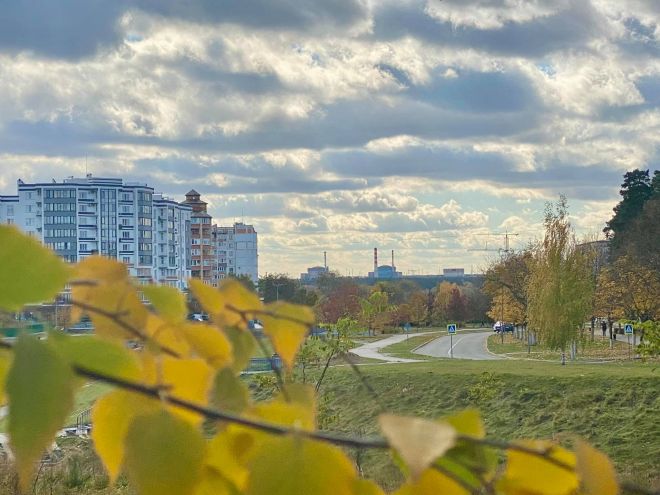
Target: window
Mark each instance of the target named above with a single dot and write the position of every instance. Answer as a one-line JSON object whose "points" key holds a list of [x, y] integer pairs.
{"points": [[126, 259], [28, 208], [125, 235], [28, 222], [83, 246], [10, 211], [125, 247]]}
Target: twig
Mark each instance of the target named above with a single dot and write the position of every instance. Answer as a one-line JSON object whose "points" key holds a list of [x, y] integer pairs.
{"points": [[116, 317], [465, 485]]}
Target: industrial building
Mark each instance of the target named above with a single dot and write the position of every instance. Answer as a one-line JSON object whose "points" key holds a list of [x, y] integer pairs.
{"points": [[386, 272]]}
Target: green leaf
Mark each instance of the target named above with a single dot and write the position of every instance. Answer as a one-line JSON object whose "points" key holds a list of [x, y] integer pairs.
{"points": [[30, 273], [295, 466], [243, 344], [418, 441], [97, 355], [229, 392], [164, 455], [168, 301], [40, 390]]}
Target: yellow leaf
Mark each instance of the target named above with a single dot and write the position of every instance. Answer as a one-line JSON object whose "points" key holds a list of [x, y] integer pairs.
{"points": [[112, 415], [30, 273], [243, 345], [296, 466], [287, 326], [40, 390], [229, 392], [431, 482], [226, 455], [299, 411], [232, 304], [97, 355], [467, 422], [529, 474], [169, 302], [165, 336], [5, 366], [595, 470], [164, 455], [418, 441], [190, 380], [209, 343], [213, 483], [118, 312], [366, 487]]}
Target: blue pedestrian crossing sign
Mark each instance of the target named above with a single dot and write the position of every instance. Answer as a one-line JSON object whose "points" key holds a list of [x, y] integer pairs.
{"points": [[628, 329], [451, 328]]}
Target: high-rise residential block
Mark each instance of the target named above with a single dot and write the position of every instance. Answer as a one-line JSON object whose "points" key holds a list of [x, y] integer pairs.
{"points": [[236, 249], [79, 217]]}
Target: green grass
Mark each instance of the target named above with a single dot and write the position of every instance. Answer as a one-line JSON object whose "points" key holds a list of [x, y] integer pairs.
{"points": [[587, 350], [616, 406], [403, 349]]}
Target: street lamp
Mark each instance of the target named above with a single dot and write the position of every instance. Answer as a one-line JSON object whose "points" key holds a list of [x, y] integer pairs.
{"points": [[277, 291]]}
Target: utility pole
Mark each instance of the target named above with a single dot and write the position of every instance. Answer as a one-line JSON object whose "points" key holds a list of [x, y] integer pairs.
{"points": [[277, 291]]}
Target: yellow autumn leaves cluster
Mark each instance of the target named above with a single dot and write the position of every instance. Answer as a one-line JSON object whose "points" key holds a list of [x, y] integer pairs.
{"points": [[170, 375]]}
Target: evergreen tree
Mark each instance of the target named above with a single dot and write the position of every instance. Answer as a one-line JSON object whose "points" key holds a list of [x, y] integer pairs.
{"points": [[635, 191]]}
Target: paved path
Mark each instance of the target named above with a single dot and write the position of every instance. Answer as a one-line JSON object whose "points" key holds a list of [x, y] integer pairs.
{"points": [[371, 349], [466, 346]]}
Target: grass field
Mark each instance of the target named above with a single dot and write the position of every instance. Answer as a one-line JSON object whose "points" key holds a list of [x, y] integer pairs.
{"points": [[616, 406], [599, 349]]}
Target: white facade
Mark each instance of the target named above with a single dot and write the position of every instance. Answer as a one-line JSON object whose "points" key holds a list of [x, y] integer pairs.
{"points": [[80, 217], [236, 251], [171, 242]]}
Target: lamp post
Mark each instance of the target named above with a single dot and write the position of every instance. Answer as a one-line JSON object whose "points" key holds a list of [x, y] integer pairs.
{"points": [[277, 291]]}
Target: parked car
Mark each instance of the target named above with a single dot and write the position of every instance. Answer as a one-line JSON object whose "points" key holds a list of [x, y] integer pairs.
{"points": [[497, 327]]}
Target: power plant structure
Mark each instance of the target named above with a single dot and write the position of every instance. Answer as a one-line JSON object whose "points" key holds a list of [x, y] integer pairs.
{"points": [[384, 272]]}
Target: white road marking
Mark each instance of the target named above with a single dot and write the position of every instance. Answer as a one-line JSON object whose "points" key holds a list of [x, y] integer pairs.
{"points": [[452, 347]]}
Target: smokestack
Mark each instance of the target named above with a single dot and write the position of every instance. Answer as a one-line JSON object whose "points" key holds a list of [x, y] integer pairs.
{"points": [[392, 259], [325, 260], [375, 262]]}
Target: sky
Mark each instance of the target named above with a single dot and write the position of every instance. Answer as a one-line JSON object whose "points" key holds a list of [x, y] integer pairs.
{"points": [[342, 125]]}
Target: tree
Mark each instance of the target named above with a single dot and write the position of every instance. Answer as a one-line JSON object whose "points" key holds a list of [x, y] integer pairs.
{"points": [[506, 280], [441, 301], [246, 280], [456, 307], [560, 286], [342, 300], [635, 191], [279, 287], [375, 311], [642, 238], [177, 418]]}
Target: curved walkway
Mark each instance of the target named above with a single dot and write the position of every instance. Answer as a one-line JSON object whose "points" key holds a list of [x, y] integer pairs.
{"points": [[371, 349]]}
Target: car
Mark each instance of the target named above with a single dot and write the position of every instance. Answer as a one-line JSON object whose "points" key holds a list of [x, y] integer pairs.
{"points": [[508, 327]]}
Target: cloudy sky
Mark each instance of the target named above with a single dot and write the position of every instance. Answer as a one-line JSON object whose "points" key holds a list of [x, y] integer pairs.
{"points": [[341, 125]]}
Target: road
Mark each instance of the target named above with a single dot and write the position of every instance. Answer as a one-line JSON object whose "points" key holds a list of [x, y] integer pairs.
{"points": [[371, 349], [465, 346]]}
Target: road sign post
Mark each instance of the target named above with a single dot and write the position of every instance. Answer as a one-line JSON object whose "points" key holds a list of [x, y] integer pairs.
{"points": [[451, 330], [628, 330]]}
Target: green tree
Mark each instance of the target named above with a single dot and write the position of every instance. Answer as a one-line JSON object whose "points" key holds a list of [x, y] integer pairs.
{"points": [[635, 191], [561, 283], [375, 311], [279, 287]]}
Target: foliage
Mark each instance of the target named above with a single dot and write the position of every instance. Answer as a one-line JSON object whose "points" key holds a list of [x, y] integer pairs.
{"points": [[339, 299], [635, 191], [274, 287], [628, 289], [506, 282], [560, 285], [376, 311], [154, 425], [650, 330]]}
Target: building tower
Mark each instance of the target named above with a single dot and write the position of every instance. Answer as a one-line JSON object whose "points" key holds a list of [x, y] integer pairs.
{"points": [[203, 263]]}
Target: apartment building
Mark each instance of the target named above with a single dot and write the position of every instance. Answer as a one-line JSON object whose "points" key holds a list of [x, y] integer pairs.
{"points": [[203, 261], [236, 249], [79, 217]]}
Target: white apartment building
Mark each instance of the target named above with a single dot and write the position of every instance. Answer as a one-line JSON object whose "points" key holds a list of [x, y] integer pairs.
{"points": [[236, 251], [79, 217]]}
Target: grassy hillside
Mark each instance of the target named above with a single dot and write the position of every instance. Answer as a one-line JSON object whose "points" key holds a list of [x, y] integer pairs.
{"points": [[615, 406]]}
